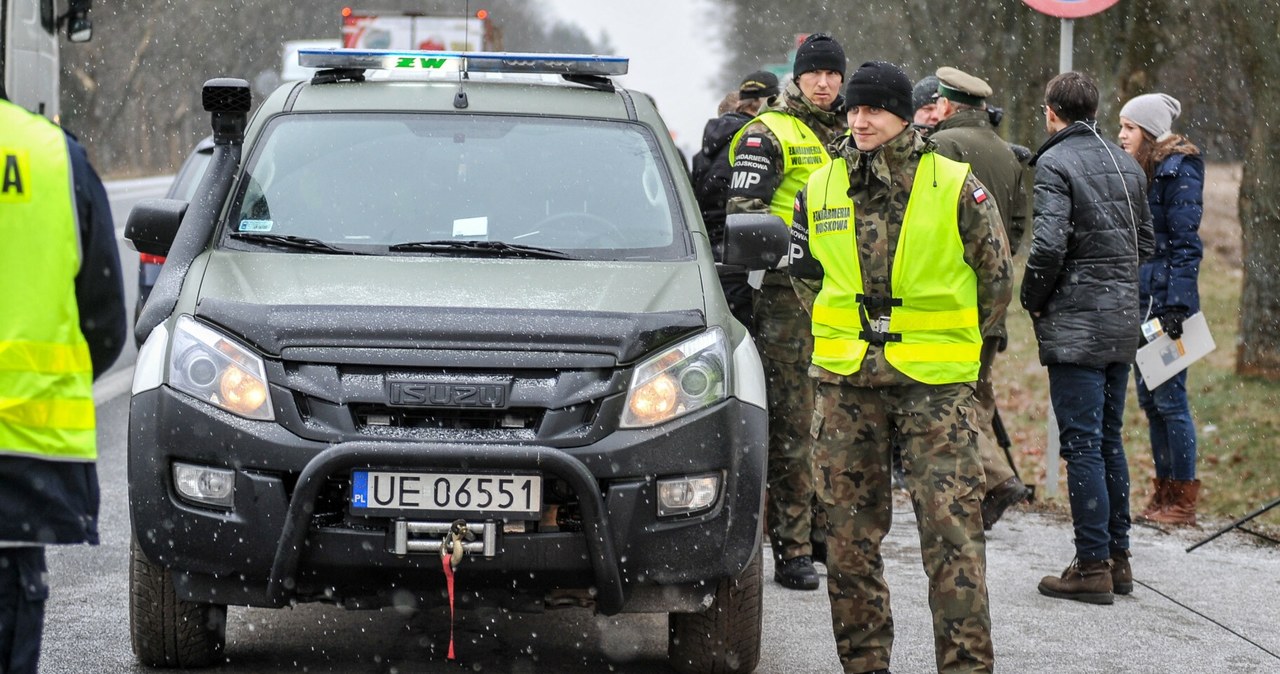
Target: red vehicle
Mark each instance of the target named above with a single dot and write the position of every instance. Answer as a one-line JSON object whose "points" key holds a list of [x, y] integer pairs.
{"points": [[416, 30]]}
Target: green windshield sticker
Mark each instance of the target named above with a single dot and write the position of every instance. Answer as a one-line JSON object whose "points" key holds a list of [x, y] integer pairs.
{"points": [[255, 225]]}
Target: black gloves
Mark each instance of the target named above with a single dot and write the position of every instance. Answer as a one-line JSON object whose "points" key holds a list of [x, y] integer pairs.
{"points": [[1171, 321], [995, 115]]}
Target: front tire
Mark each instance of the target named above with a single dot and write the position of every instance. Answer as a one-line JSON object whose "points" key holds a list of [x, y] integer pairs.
{"points": [[166, 631], [725, 638]]}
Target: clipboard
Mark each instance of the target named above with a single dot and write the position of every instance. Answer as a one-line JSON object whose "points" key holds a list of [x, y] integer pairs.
{"points": [[1163, 357]]}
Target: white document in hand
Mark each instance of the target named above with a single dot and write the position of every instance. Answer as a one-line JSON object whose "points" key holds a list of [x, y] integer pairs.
{"points": [[1165, 357]]}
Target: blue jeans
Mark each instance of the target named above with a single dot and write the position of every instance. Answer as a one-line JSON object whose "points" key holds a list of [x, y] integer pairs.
{"points": [[1089, 404], [1173, 434]]}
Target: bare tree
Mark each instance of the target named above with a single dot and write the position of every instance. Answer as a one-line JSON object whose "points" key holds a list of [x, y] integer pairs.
{"points": [[1254, 27], [1134, 47]]}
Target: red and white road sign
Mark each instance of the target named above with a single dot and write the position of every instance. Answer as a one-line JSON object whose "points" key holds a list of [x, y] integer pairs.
{"points": [[1069, 9]]}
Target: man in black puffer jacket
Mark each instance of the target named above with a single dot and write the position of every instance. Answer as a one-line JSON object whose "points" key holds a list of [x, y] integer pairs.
{"points": [[711, 174], [1091, 229]]}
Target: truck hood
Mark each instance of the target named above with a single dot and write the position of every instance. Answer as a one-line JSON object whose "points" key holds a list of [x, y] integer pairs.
{"points": [[278, 301]]}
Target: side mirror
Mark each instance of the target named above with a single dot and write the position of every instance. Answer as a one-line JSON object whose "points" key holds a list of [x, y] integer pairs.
{"points": [[153, 225], [754, 241]]}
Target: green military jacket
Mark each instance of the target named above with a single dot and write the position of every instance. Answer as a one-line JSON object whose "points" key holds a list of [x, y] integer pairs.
{"points": [[967, 136]]}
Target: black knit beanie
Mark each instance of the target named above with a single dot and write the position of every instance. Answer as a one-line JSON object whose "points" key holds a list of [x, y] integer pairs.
{"points": [[819, 51], [880, 84]]}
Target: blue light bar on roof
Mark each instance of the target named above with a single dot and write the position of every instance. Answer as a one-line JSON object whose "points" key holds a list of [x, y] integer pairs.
{"points": [[493, 62]]}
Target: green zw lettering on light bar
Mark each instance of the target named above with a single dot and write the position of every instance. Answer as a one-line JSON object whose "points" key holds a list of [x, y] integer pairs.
{"points": [[411, 62]]}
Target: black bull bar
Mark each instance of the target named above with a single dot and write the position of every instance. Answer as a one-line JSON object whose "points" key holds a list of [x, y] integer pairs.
{"points": [[340, 459]]}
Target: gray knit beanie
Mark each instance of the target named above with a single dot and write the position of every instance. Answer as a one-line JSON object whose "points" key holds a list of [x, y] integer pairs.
{"points": [[1153, 112]]}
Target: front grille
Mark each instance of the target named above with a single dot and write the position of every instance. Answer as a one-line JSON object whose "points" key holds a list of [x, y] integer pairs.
{"points": [[337, 402], [373, 418]]}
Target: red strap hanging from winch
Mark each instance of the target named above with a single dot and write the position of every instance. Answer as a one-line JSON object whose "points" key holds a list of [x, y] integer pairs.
{"points": [[448, 577]]}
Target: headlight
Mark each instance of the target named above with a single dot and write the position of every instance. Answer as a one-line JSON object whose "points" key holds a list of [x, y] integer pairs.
{"points": [[219, 371], [686, 377]]}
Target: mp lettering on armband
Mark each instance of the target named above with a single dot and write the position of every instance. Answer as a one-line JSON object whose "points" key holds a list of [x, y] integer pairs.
{"points": [[753, 169], [743, 181], [15, 172], [802, 263]]}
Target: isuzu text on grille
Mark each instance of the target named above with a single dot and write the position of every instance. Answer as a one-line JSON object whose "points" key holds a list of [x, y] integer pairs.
{"points": [[446, 395]]}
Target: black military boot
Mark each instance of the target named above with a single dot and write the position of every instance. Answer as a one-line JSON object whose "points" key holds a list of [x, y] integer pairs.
{"points": [[796, 573], [999, 498]]}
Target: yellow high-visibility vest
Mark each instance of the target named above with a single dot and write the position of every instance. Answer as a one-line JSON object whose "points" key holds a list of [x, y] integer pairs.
{"points": [[46, 376], [802, 154], [932, 334]]}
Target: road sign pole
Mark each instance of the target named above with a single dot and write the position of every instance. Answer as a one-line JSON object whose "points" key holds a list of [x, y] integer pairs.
{"points": [[1068, 11], [1065, 40]]}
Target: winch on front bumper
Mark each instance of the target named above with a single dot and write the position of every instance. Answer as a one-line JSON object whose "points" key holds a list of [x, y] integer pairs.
{"points": [[290, 534]]}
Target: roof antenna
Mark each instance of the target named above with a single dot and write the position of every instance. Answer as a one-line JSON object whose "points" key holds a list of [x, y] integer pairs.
{"points": [[460, 98]]}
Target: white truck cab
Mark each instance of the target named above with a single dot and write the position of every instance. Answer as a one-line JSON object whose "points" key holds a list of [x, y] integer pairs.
{"points": [[29, 57]]}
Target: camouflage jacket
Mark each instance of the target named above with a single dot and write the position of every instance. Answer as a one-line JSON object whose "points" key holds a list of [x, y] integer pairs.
{"points": [[880, 185], [765, 160]]}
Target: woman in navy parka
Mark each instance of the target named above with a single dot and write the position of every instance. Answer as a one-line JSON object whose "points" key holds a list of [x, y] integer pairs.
{"points": [[1168, 290]]}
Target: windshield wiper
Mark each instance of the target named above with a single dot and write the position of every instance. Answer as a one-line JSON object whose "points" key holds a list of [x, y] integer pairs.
{"points": [[290, 241], [496, 248]]}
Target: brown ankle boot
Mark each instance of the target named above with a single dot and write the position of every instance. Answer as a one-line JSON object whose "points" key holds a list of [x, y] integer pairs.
{"points": [[1121, 572], [1159, 497], [1089, 582], [1181, 507]]}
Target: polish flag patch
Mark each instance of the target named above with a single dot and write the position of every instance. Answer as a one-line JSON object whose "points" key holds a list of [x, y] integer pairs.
{"points": [[979, 195], [754, 141]]}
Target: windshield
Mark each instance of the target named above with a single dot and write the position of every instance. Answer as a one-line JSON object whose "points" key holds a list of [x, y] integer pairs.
{"points": [[417, 184]]}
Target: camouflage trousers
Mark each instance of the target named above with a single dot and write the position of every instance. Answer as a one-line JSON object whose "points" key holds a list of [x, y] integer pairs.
{"points": [[853, 429], [784, 336], [994, 463]]}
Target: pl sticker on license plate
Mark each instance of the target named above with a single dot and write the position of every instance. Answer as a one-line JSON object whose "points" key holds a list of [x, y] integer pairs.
{"points": [[386, 492]]}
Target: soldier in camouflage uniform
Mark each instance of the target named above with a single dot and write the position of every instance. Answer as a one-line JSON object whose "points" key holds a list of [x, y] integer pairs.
{"points": [[898, 328], [772, 157]]}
